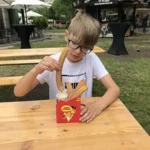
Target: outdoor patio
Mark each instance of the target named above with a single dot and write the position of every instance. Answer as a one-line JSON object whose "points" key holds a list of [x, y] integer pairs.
{"points": [[129, 71], [36, 121]]}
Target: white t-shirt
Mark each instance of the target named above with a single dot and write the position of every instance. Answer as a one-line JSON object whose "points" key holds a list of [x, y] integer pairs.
{"points": [[86, 69]]}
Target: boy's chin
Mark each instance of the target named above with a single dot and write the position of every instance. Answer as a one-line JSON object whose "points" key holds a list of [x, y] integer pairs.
{"points": [[73, 59]]}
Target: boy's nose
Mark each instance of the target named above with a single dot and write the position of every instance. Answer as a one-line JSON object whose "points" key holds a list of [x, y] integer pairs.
{"points": [[78, 50]]}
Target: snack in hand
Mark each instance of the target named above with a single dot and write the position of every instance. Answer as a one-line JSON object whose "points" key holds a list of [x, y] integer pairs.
{"points": [[72, 93], [58, 73]]}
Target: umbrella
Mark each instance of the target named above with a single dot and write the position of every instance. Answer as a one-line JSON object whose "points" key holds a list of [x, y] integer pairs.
{"points": [[25, 4], [28, 4], [4, 4], [31, 14]]}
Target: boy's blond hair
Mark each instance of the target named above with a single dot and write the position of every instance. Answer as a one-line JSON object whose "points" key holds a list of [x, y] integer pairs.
{"points": [[84, 29]]}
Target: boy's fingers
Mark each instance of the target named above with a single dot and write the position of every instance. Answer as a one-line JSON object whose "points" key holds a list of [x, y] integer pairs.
{"points": [[86, 117], [56, 66], [82, 107], [88, 121], [83, 110], [52, 63], [83, 104]]}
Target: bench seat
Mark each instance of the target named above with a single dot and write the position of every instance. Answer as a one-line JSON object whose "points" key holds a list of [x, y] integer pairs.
{"points": [[6, 81], [30, 53], [19, 62]]}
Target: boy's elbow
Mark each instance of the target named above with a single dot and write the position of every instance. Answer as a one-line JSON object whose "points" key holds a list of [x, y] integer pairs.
{"points": [[17, 93], [117, 90]]}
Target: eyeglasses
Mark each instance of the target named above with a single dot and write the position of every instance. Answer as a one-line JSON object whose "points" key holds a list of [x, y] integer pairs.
{"points": [[83, 49]]}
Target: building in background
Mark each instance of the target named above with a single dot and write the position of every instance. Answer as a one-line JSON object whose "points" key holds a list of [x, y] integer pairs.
{"points": [[8, 17], [49, 1]]}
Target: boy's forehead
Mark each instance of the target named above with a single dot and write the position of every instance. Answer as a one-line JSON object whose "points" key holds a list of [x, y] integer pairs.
{"points": [[76, 39]]}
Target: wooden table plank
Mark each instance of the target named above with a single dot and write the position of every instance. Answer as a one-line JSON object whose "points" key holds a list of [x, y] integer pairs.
{"points": [[4, 81], [37, 52], [19, 62], [24, 128]]}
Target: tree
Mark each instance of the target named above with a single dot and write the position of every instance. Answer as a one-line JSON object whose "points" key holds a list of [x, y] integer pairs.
{"points": [[60, 10], [40, 22], [51, 13], [63, 9]]}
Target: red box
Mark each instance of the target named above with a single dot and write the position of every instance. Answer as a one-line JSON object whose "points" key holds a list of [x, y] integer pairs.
{"points": [[68, 111]]}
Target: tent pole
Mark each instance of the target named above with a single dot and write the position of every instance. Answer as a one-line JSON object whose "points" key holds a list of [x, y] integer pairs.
{"points": [[26, 14], [23, 20]]}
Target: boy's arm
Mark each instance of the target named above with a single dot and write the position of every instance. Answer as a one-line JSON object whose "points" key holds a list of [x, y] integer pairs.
{"points": [[26, 83], [112, 92], [29, 81], [93, 109]]}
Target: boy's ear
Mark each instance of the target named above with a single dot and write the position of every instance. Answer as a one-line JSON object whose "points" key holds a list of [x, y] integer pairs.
{"points": [[66, 35]]}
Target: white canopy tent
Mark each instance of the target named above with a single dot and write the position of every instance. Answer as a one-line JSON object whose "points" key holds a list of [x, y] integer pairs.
{"points": [[23, 4], [31, 14], [4, 4], [29, 4]]}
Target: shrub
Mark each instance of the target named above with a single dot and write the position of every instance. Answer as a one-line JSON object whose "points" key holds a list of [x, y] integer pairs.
{"points": [[40, 22]]}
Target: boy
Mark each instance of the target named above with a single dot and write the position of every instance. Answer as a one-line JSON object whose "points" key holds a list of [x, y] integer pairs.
{"points": [[80, 64]]}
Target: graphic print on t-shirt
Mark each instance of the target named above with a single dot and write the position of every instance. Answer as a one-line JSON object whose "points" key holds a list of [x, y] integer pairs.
{"points": [[74, 79]]}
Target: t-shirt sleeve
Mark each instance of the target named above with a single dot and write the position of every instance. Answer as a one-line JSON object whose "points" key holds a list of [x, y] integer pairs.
{"points": [[43, 77], [99, 69]]}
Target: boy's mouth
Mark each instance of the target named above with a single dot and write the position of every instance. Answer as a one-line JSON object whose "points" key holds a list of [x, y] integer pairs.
{"points": [[76, 58]]}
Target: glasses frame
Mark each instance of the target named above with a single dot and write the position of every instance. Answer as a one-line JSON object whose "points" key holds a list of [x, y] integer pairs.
{"points": [[79, 46]]}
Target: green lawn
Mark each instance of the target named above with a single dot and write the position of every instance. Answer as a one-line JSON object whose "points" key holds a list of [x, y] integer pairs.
{"points": [[131, 72], [56, 30]]}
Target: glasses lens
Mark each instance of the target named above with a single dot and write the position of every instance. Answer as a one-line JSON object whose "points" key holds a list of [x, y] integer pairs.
{"points": [[86, 50], [73, 44]]}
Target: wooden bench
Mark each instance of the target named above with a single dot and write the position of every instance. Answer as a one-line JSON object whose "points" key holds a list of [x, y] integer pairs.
{"points": [[32, 52], [7, 81]]}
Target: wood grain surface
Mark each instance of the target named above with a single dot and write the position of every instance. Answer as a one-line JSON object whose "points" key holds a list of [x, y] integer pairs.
{"points": [[37, 52], [31, 125]]}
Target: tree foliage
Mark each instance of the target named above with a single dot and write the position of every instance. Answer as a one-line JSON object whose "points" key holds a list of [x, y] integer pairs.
{"points": [[40, 22], [60, 10], [63, 9]]}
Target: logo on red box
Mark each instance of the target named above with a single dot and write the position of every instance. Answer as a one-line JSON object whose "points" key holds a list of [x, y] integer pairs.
{"points": [[68, 111]]}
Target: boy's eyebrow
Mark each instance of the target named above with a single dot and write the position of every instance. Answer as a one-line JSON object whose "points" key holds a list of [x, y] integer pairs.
{"points": [[78, 42], [73, 40]]}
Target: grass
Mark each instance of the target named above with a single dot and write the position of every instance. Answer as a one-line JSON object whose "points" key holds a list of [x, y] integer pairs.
{"points": [[130, 72], [56, 30]]}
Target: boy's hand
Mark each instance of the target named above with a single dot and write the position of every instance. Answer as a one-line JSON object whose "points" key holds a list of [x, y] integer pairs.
{"points": [[47, 63], [89, 111]]}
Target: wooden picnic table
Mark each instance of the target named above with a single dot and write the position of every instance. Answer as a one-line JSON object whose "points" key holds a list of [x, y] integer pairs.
{"points": [[37, 52], [4, 81], [25, 128]]}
